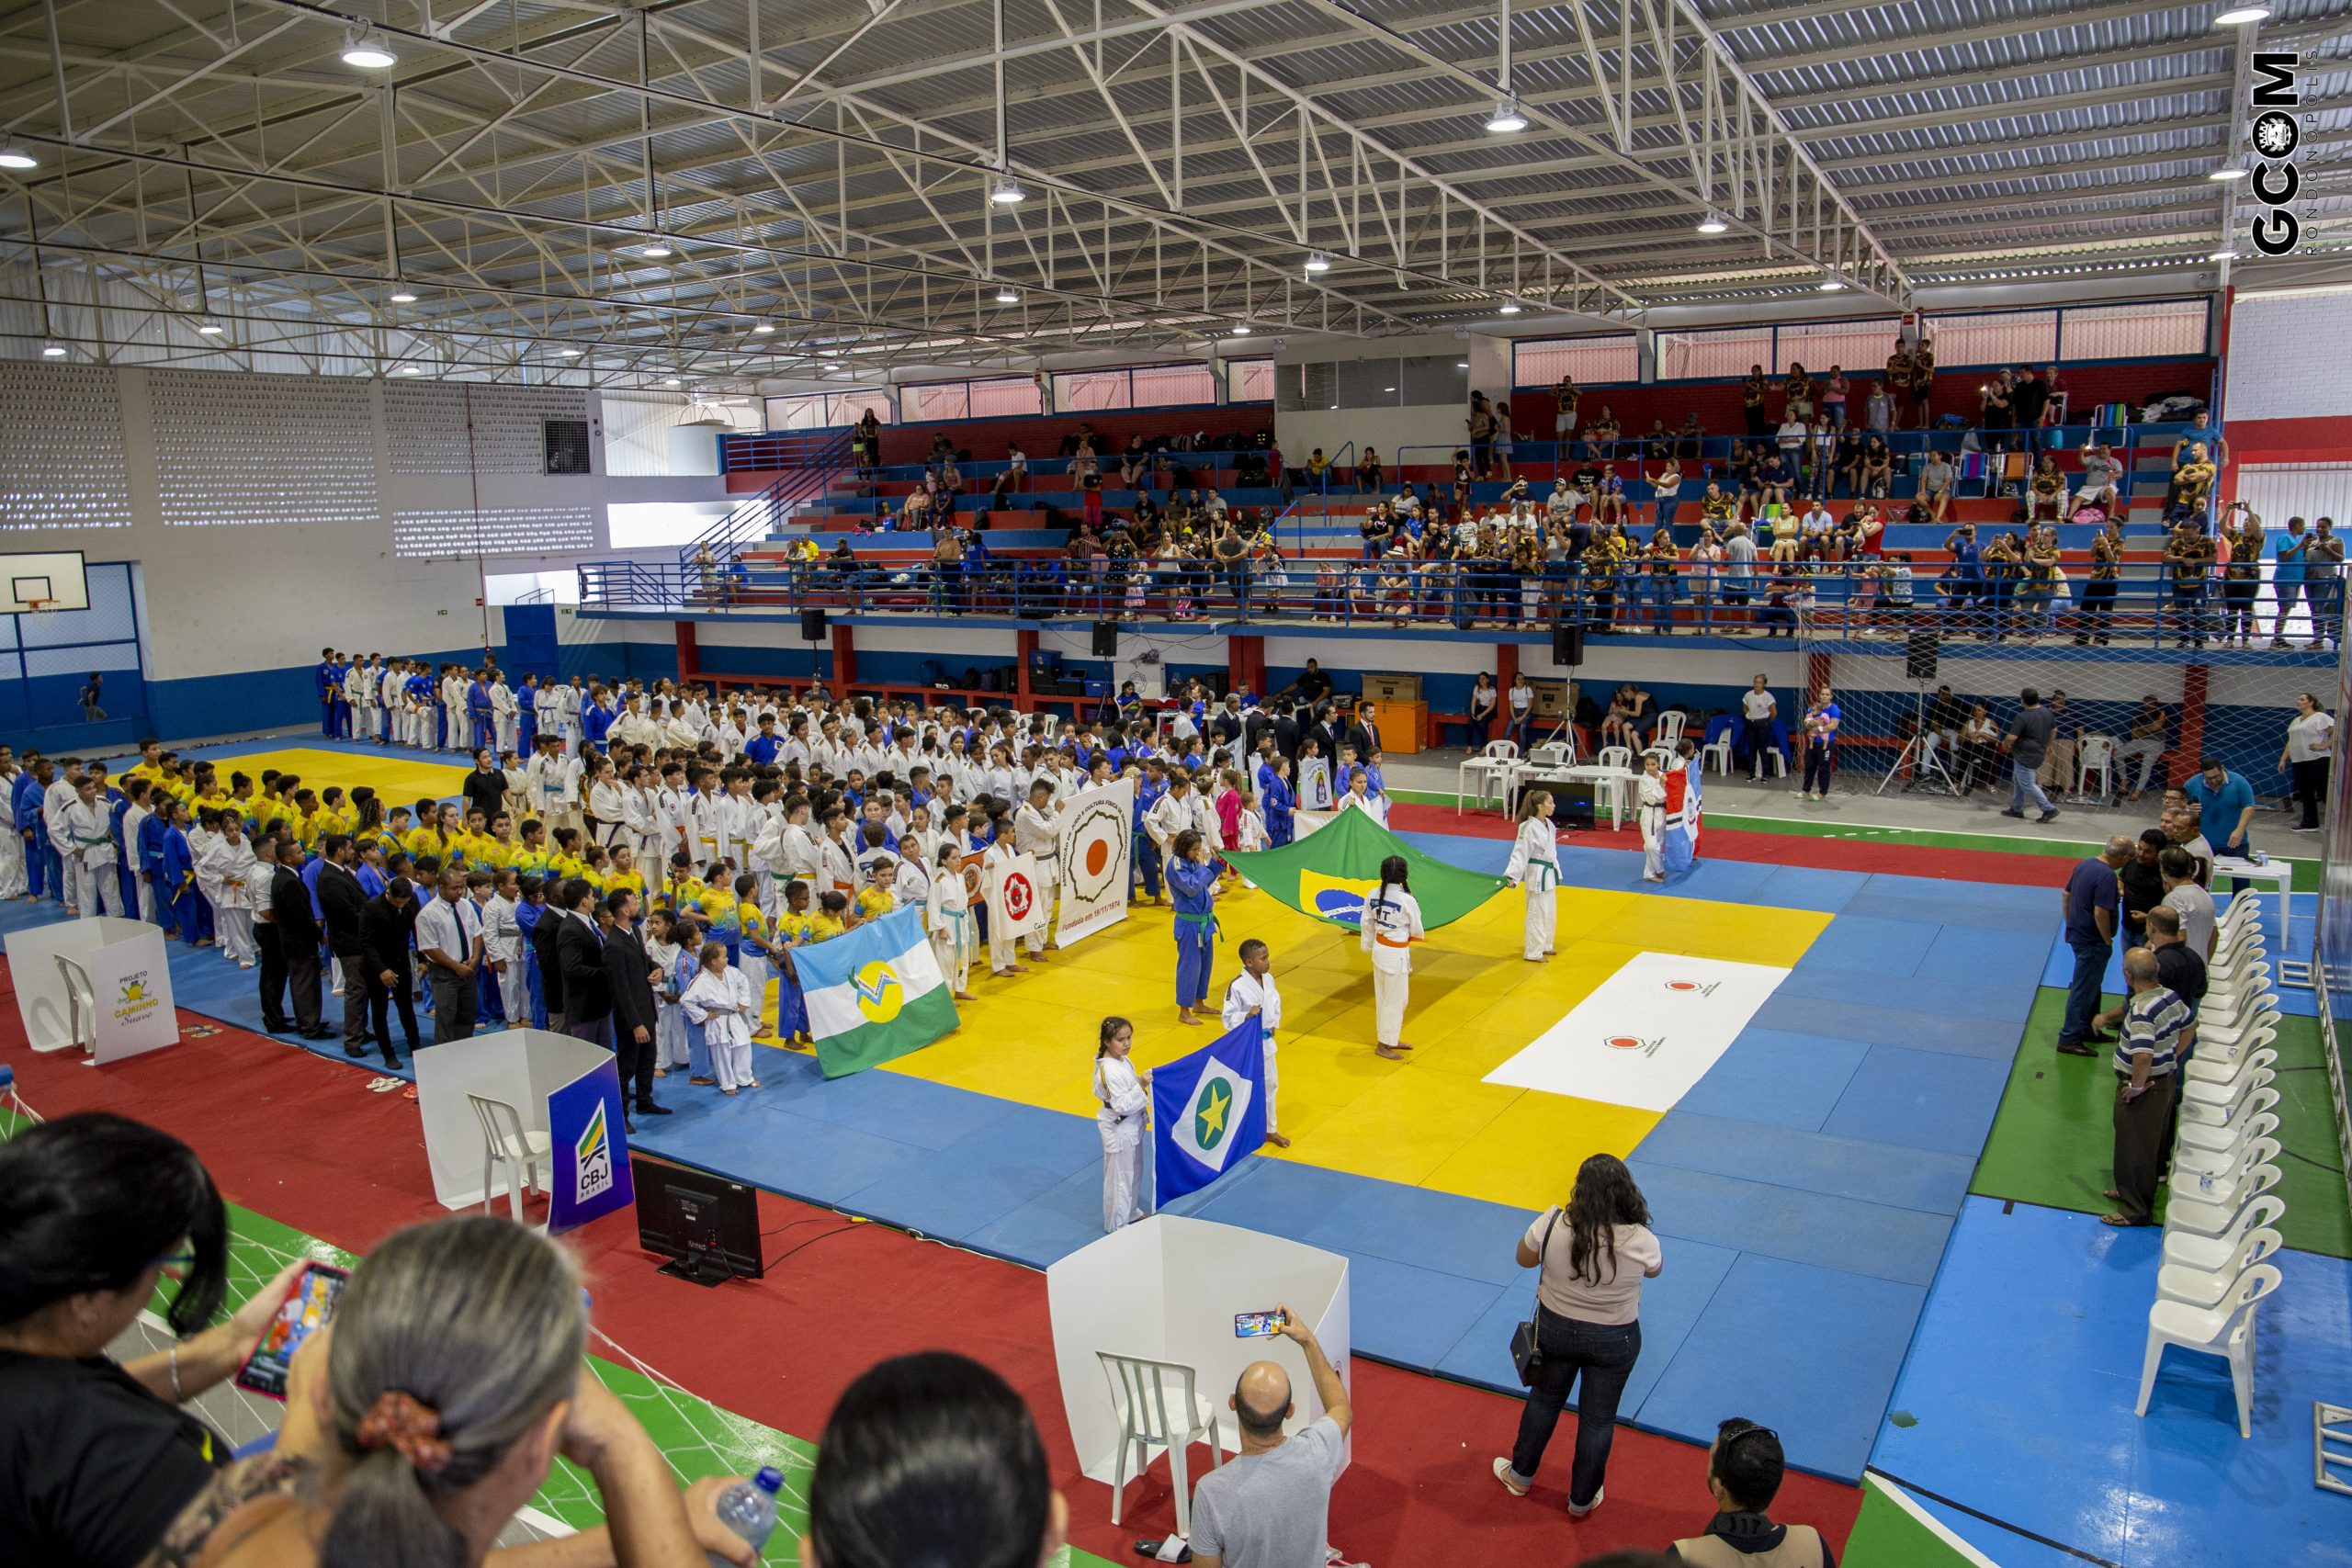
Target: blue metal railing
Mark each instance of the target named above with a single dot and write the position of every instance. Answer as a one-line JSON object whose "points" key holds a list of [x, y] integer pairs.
{"points": [[810, 467], [2145, 606]]}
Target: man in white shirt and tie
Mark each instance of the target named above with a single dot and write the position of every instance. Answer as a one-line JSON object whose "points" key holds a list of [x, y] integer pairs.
{"points": [[448, 938]]}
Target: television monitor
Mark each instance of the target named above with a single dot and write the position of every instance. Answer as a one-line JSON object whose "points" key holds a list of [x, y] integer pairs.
{"points": [[707, 1225]]}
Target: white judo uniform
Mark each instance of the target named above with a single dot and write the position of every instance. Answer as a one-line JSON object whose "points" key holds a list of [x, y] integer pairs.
{"points": [[1247, 991], [1535, 866], [1649, 794], [1392, 919], [727, 1008], [1121, 1120]]}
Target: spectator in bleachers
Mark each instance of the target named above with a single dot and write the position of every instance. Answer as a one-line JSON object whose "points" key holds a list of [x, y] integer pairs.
{"points": [[1691, 440], [2191, 489], [1753, 390], [1923, 384], [1796, 394], [2323, 583], [2287, 577], [1564, 415], [2198, 443], [1480, 424], [1877, 474], [1745, 1467], [1833, 397], [2098, 593], [2186, 555], [2100, 473], [2241, 578], [1878, 408], [932, 1459], [2054, 398], [1666, 489], [2030, 396], [1370, 475], [1503, 440], [2046, 488]]}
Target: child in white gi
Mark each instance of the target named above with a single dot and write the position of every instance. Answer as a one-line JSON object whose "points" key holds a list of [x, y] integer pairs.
{"points": [[1391, 919], [1535, 869], [720, 999], [1254, 993], [1649, 792], [1125, 1116]]}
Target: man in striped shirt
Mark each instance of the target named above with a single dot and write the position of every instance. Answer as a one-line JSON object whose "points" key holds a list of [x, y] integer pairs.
{"points": [[2147, 1063]]}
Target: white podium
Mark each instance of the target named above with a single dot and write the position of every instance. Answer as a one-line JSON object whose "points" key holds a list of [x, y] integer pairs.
{"points": [[127, 1009], [566, 1088], [1167, 1289]]}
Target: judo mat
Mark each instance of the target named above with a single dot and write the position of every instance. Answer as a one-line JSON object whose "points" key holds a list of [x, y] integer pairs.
{"points": [[1804, 1186], [399, 777]]}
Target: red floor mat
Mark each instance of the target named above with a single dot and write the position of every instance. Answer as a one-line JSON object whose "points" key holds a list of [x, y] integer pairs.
{"points": [[301, 1140]]}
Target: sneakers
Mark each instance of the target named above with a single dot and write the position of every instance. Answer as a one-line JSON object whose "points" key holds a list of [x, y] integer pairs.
{"points": [[1576, 1513], [1511, 1483], [2049, 816]]}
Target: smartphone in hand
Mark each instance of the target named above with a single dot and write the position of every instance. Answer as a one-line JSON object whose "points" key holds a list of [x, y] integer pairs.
{"points": [[308, 1306], [1258, 1325]]}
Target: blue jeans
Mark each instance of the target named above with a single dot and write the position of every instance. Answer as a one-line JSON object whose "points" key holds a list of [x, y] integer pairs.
{"points": [[2025, 789], [2083, 989], [1604, 1355]]}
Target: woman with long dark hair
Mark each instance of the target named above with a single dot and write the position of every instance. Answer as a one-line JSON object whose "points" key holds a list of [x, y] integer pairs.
{"points": [[1591, 1256], [95, 1210]]}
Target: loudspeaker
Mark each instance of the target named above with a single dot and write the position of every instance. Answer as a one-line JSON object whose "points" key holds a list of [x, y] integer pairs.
{"points": [[1568, 643], [1919, 657], [812, 625], [1106, 639]]}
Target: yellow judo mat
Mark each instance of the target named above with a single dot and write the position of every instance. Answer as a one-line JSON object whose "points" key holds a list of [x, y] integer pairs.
{"points": [[397, 777], [1429, 1122]]}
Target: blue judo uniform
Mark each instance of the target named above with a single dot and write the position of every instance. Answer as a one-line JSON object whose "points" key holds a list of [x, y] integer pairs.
{"points": [[1194, 886]]}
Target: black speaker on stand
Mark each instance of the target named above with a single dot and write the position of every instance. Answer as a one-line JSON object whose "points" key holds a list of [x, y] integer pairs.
{"points": [[1919, 656], [1106, 639], [1568, 643], [812, 625]]}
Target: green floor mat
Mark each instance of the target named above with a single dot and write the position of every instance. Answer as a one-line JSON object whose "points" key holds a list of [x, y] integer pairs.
{"points": [[2053, 1142]]}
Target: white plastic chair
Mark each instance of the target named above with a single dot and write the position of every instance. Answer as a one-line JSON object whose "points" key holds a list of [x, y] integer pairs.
{"points": [[1153, 1414], [2196, 1159], [1487, 771], [2214, 1109], [2095, 754], [2222, 1132], [1718, 753], [2209, 1252], [2206, 1287], [81, 1004], [1670, 724], [2225, 1330], [504, 1142], [2194, 1216]]}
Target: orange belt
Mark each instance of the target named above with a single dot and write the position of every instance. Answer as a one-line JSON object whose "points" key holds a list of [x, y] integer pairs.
{"points": [[1390, 940]]}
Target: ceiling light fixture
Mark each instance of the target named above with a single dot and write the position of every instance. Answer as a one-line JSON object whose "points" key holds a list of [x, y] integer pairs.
{"points": [[209, 329], [1317, 262], [363, 48], [1007, 295], [2223, 255], [2228, 172], [1241, 328], [657, 251], [763, 328], [672, 381], [52, 350], [1507, 118], [2241, 15], [15, 157], [568, 352], [411, 370], [1512, 307], [1007, 191], [1829, 285], [1713, 224], [402, 294]]}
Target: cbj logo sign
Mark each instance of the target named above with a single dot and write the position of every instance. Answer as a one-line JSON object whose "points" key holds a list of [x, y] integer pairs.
{"points": [[2275, 133]]}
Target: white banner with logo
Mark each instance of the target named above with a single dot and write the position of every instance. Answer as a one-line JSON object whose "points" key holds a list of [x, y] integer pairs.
{"points": [[1097, 859], [1011, 888], [1646, 1034], [132, 987]]}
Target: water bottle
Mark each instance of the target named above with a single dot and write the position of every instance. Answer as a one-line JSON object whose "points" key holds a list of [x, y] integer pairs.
{"points": [[748, 1508]]}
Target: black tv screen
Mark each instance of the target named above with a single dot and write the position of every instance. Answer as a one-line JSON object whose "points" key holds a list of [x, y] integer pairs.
{"points": [[707, 1225]]}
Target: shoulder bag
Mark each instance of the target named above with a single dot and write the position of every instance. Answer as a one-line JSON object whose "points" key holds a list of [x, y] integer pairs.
{"points": [[1526, 1349]]}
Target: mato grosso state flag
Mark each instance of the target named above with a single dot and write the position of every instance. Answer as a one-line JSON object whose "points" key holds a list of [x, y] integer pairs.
{"points": [[1207, 1110], [874, 994], [1333, 871]]}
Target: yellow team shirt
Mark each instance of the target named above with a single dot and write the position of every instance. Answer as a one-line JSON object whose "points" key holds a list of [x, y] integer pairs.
{"points": [[824, 928], [421, 841], [498, 853], [633, 881], [792, 929], [874, 903]]}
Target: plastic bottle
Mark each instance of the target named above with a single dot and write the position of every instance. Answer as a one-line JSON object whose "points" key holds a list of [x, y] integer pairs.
{"points": [[748, 1508]]}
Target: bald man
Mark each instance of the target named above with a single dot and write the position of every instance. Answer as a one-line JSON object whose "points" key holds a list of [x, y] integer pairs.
{"points": [[2155, 1024], [1271, 1507]]}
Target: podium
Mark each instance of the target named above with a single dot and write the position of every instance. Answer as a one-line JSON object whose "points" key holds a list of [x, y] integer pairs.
{"points": [[111, 992], [1167, 1289], [567, 1088]]}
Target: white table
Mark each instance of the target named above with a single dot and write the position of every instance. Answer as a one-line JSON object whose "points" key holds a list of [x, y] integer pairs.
{"points": [[2279, 877]]}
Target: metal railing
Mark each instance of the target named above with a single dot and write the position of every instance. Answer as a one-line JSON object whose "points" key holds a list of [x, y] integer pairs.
{"points": [[817, 458], [2143, 607]]}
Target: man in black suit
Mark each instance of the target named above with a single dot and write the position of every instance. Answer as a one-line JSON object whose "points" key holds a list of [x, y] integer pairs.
{"points": [[341, 899], [579, 957], [298, 938], [1287, 731], [273, 952], [382, 965], [628, 972], [1364, 733], [543, 952]]}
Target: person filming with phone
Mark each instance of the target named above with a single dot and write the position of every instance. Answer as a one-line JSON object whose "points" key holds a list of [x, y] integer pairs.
{"points": [[1271, 1507], [97, 1456]]}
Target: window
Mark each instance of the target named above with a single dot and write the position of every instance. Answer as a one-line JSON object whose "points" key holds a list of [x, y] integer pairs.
{"points": [[1593, 361], [1818, 345], [1172, 386], [2162, 328], [939, 399], [1993, 337], [820, 410], [1077, 391], [1712, 355], [1005, 397], [1250, 381]]}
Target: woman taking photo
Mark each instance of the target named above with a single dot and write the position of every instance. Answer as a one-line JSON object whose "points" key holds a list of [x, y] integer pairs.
{"points": [[1588, 1323], [2310, 741], [431, 1410], [94, 1209]]}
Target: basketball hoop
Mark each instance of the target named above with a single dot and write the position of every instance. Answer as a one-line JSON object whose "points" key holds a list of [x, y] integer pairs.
{"points": [[40, 606]]}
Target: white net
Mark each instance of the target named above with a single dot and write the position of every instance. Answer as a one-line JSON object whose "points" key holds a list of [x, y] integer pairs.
{"points": [[1916, 710]]}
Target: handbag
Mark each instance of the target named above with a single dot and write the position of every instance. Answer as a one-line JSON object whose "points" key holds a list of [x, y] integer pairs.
{"points": [[1526, 1352]]}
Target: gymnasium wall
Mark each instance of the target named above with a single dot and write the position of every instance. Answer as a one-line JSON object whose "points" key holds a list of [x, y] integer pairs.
{"points": [[271, 516]]}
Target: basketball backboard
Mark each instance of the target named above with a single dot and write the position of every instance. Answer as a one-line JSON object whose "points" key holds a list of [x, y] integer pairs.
{"points": [[43, 579]]}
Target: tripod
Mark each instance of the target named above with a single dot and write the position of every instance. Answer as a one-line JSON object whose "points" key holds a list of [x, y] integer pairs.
{"points": [[1919, 753]]}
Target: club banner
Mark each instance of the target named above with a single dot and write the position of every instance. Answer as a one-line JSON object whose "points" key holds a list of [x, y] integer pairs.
{"points": [[875, 993], [1679, 846], [1012, 889], [131, 985], [591, 1148], [1097, 859]]}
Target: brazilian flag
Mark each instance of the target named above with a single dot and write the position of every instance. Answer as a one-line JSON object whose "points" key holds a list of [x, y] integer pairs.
{"points": [[1332, 872]]}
